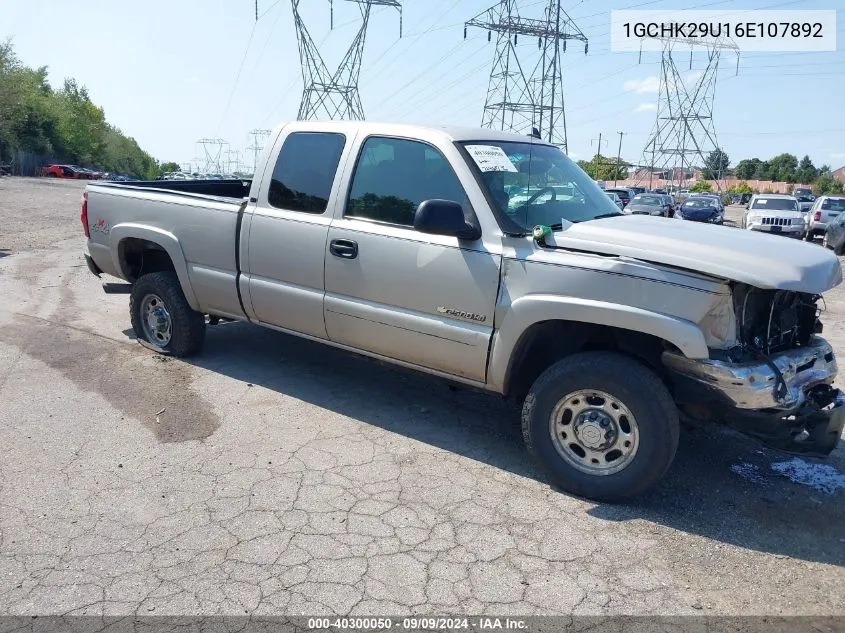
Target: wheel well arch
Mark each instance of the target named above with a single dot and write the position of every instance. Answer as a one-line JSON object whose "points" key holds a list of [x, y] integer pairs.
{"points": [[138, 256], [545, 342]]}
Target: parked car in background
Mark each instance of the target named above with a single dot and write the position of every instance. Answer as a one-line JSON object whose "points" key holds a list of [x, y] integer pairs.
{"points": [[670, 202], [700, 210], [774, 213], [616, 199], [624, 194], [824, 210], [715, 197], [805, 201], [63, 171], [647, 204], [834, 235], [636, 190]]}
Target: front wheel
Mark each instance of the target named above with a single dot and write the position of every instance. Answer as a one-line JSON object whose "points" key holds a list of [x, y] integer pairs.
{"points": [[162, 318], [602, 425]]}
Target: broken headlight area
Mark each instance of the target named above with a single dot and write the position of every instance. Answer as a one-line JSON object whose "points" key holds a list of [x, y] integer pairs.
{"points": [[771, 321]]}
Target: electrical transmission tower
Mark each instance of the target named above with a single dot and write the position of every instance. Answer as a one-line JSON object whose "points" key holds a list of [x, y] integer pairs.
{"points": [[334, 95], [212, 152], [258, 138], [684, 132], [233, 161], [525, 92]]}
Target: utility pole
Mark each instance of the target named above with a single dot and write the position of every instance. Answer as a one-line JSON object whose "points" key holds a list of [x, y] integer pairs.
{"points": [[598, 155], [258, 137], [618, 157]]}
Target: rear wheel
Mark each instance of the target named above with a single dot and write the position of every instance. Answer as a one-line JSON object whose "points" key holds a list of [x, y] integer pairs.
{"points": [[602, 425], [162, 318]]}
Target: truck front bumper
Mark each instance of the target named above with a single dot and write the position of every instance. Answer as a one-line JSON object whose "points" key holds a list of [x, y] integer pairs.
{"points": [[794, 408]]}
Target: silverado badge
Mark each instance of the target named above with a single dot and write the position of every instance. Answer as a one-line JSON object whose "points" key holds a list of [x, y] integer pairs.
{"points": [[472, 316]]}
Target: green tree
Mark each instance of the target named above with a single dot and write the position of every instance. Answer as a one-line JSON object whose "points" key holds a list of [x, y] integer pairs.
{"points": [[61, 124], [807, 172], [165, 168], [740, 187], [716, 165], [827, 184], [763, 171], [702, 186], [604, 168], [783, 167], [747, 167]]}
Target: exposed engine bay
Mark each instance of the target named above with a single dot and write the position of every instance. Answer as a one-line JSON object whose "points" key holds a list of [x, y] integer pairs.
{"points": [[771, 321]]}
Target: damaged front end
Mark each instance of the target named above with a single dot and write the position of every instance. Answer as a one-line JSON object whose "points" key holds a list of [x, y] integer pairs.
{"points": [[772, 378]]}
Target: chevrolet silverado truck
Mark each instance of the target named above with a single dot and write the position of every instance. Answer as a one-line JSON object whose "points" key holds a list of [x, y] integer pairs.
{"points": [[492, 260]]}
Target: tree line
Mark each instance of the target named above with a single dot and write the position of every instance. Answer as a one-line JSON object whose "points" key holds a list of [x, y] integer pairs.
{"points": [[781, 168], [61, 124]]}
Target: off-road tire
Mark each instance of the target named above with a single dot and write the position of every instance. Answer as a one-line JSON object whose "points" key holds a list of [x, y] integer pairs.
{"points": [[638, 388], [188, 326]]}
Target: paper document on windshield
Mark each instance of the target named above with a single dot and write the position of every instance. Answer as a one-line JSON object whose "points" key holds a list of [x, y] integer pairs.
{"points": [[490, 158]]}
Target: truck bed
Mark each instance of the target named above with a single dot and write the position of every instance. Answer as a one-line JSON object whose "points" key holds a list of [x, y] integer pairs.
{"points": [[229, 188]]}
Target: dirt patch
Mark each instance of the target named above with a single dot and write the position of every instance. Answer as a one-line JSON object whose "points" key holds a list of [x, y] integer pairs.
{"points": [[130, 379]]}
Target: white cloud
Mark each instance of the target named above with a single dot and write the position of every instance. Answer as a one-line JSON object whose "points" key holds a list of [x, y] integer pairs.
{"points": [[646, 107], [192, 80], [692, 77], [641, 86], [837, 155]]}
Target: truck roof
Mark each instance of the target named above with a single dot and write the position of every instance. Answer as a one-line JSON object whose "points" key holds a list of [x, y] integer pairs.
{"points": [[451, 132]]}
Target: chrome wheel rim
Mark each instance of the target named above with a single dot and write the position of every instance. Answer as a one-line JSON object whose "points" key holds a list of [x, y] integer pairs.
{"points": [[156, 321], [594, 432], [824, 240]]}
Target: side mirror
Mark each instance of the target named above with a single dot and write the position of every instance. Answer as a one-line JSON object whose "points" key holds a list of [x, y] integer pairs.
{"points": [[444, 217]]}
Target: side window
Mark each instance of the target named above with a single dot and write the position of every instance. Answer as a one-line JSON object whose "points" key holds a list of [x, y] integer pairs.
{"points": [[393, 176], [305, 170]]}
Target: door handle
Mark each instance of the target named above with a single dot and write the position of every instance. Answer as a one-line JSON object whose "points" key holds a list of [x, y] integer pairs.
{"points": [[348, 249]]}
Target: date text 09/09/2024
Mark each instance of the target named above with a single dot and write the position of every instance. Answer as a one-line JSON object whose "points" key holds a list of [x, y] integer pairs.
{"points": [[418, 623], [723, 29]]}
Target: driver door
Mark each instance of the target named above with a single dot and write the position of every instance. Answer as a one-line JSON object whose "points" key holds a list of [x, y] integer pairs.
{"points": [[419, 298]]}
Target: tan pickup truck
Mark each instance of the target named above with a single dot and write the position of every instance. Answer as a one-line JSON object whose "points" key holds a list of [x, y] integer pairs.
{"points": [[492, 260]]}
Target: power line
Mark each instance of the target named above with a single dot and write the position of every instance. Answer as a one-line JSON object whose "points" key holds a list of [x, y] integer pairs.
{"points": [[237, 77]]}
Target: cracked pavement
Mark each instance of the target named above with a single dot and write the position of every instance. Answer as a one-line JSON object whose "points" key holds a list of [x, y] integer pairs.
{"points": [[272, 475]]}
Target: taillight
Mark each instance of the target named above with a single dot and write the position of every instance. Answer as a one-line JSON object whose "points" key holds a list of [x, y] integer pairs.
{"points": [[817, 216], [84, 215]]}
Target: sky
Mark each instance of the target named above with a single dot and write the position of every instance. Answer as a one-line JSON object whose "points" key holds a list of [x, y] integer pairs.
{"points": [[181, 70]]}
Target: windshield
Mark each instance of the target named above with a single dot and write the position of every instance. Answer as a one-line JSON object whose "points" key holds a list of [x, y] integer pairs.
{"points": [[535, 184], [698, 203], [649, 200], [834, 204], [804, 198], [774, 204]]}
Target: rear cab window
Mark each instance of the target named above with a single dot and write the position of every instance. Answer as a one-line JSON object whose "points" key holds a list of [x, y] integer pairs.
{"points": [[305, 171]]}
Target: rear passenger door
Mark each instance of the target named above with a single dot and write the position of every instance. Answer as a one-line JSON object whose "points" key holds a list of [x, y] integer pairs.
{"points": [[287, 233], [419, 298]]}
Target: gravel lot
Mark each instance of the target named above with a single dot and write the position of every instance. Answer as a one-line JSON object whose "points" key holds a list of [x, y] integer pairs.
{"points": [[274, 476]]}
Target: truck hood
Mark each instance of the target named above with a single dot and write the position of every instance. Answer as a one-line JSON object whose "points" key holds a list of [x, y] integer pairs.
{"points": [[757, 259]]}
